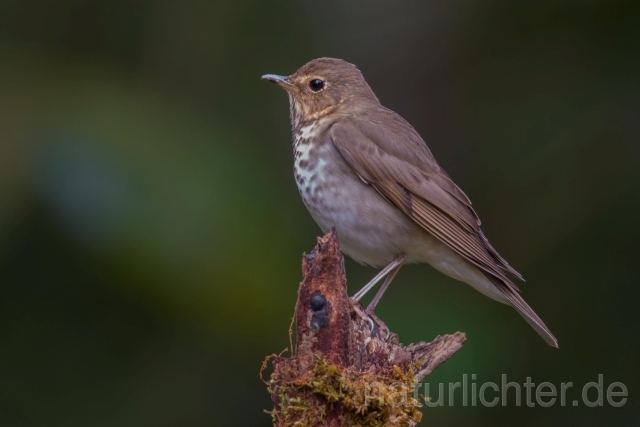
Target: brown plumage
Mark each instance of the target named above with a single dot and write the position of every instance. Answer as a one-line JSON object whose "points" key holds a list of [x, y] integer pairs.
{"points": [[363, 169]]}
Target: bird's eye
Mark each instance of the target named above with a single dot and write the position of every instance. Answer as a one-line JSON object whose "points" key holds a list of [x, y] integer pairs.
{"points": [[316, 85]]}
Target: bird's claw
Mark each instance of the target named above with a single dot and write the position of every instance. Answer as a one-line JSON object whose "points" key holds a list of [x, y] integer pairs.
{"points": [[380, 324], [356, 307], [375, 324]]}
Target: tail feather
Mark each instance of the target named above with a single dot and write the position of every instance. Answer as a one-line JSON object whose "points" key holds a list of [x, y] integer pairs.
{"points": [[524, 310]]}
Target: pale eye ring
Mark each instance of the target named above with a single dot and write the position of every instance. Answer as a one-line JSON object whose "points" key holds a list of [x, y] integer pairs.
{"points": [[316, 85]]}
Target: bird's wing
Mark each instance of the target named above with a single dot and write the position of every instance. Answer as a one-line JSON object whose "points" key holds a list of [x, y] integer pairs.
{"points": [[398, 164]]}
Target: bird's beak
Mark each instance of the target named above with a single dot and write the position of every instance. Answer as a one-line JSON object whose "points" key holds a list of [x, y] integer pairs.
{"points": [[279, 80]]}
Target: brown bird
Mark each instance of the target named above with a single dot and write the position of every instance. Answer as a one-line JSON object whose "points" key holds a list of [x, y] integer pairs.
{"points": [[364, 170]]}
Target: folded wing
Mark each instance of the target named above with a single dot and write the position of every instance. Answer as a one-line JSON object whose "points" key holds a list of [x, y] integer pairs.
{"points": [[399, 165]]}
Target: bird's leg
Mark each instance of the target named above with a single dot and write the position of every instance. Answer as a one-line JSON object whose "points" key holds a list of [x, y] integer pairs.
{"points": [[374, 302], [376, 299], [391, 269], [366, 288]]}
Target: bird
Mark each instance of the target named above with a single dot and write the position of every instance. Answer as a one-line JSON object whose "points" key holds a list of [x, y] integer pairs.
{"points": [[365, 171]]}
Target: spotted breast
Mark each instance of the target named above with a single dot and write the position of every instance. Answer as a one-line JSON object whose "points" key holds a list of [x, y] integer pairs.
{"points": [[310, 163], [336, 197]]}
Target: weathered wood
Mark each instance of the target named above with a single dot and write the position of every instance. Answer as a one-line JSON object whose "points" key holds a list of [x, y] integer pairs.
{"points": [[322, 311], [342, 373]]}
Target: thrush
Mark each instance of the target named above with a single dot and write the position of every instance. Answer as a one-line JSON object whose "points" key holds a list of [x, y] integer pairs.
{"points": [[364, 170]]}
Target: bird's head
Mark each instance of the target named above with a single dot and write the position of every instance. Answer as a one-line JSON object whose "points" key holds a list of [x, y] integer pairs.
{"points": [[323, 86]]}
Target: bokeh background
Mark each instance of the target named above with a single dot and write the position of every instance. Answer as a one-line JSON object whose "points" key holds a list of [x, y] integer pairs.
{"points": [[151, 230]]}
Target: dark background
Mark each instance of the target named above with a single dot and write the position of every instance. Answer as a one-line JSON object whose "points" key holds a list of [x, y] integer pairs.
{"points": [[151, 230]]}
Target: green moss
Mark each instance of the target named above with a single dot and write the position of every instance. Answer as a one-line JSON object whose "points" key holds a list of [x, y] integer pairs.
{"points": [[378, 397]]}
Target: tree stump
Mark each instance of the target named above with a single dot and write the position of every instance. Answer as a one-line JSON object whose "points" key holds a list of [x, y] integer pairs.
{"points": [[342, 373]]}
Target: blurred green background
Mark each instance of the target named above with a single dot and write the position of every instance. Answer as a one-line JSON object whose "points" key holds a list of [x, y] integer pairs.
{"points": [[151, 230]]}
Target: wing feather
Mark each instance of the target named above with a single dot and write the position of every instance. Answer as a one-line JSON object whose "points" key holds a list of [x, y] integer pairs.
{"points": [[419, 187], [399, 165]]}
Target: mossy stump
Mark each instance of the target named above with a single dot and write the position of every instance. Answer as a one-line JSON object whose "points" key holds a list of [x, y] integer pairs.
{"points": [[342, 373]]}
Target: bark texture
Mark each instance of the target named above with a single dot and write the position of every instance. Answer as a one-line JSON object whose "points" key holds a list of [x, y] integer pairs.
{"points": [[342, 373]]}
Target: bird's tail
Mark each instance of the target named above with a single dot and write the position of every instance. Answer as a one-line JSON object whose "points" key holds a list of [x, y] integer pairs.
{"points": [[524, 310]]}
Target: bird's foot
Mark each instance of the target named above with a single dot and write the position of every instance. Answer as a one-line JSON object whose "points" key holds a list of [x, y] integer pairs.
{"points": [[376, 325], [355, 305], [379, 323]]}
